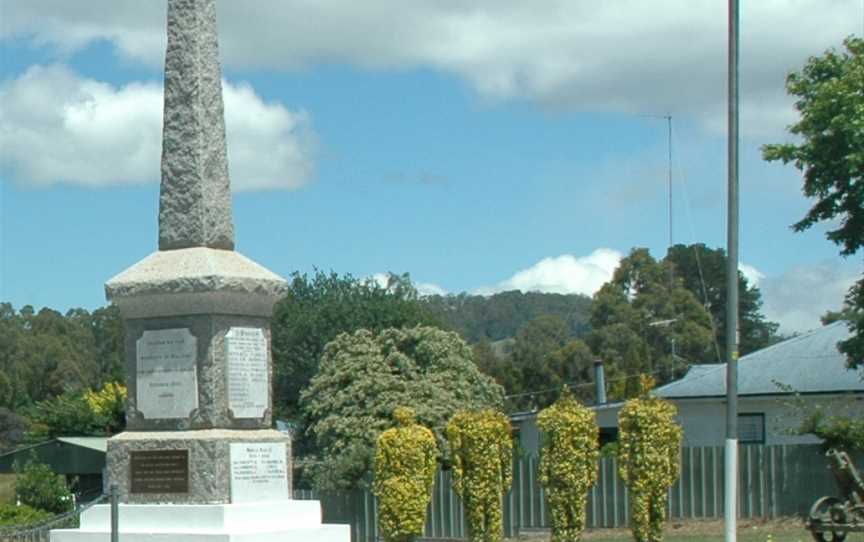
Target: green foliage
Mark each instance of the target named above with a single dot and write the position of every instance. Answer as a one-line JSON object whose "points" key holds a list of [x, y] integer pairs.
{"points": [[836, 432], [502, 315], [405, 465], [12, 428], [568, 464], [317, 309], [648, 461], [482, 451], [640, 316], [829, 92], [94, 413], [702, 271], [45, 354], [20, 516], [544, 357], [363, 376], [39, 487]]}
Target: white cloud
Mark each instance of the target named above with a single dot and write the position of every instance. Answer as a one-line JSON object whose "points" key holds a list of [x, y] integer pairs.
{"points": [[565, 274], [423, 288], [649, 57], [798, 297], [753, 275], [429, 288], [58, 127]]}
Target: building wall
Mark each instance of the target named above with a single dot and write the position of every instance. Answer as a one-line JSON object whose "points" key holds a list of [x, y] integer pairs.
{"points": [[704, 420]]}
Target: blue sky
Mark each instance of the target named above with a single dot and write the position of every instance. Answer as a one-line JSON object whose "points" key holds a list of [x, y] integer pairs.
{"points": [[479, 146]]}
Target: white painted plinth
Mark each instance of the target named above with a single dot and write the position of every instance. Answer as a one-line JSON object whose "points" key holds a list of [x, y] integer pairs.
{"points": [[282, 521]]}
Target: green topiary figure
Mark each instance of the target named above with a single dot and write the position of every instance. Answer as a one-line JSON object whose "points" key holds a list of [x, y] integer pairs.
{"points": [[405, 463], [482, 452], [649, 462], [568, 464]]}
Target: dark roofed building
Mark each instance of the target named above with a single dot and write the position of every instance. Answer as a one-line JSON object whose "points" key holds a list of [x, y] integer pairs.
{"points": [[80, 459]]}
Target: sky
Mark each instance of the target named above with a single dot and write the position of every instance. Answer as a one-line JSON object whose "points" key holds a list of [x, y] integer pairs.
{"points": [[479, 146]]}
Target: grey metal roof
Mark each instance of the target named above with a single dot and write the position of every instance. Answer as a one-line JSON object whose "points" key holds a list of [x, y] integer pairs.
{"points": [[100, 444], [808, 363]]}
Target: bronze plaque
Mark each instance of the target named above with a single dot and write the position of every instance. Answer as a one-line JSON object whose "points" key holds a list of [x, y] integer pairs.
{"points": [[159, 471]]}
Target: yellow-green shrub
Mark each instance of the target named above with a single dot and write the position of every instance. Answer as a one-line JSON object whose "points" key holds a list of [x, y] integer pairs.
{"points": [[649, 461], [404, 475], [482, 453], [568, 464]]}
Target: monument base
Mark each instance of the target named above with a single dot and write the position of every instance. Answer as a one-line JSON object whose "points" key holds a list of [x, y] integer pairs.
{"points": [[280, 521], [206, 469]]}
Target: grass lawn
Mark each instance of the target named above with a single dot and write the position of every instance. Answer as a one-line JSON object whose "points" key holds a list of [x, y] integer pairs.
{"points": [[788, 530], [7, 488]]}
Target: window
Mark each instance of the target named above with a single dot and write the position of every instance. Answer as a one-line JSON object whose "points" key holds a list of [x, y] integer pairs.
{"points": [[751, 428]]}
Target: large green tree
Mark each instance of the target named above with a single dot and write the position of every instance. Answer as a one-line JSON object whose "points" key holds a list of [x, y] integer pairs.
{"points": [[364, 376], [646, 322], [703, 271], [45, 354], [318, 308], [829, 151]]}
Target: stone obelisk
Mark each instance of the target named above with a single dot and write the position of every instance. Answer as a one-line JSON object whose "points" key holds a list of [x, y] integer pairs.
{"points": [[199, 455]]}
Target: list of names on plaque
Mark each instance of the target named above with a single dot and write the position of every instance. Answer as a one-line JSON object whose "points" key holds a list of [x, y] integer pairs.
{"points": [[167, 385], [259, 472], [159, 471], [248, 373]]}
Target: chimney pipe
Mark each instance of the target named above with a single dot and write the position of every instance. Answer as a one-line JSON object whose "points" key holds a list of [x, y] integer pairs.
{"points": [[599, 382]]}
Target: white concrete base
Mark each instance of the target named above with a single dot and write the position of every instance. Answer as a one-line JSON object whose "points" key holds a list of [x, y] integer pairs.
{"points": [[282, 521]]}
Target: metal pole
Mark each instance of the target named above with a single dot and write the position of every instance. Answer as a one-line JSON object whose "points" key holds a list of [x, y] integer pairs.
{"points": [[730, 511], [115, 512], [669, 171]]}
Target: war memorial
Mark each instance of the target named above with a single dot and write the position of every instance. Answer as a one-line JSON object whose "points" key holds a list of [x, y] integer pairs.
{"points": [[199, 460]]}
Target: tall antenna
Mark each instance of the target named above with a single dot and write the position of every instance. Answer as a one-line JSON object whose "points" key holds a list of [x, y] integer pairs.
{"points": [[669, 171]]}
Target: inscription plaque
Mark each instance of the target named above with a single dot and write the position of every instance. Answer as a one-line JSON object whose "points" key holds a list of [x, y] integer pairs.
{"points": [[167, 385], [159, 471], [259, 472], [248, 372]]}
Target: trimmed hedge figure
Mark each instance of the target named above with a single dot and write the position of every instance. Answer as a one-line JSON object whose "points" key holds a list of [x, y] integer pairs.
{"points": [[649, 461], [482, 452], [568, 464], [405, 464]]}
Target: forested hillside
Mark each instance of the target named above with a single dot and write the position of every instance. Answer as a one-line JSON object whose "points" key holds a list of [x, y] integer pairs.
{"points": [[654, 317], [503, 315]]}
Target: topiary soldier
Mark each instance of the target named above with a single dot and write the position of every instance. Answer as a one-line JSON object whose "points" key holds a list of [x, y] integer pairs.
{"points": [[405, 463], [482, 453], [568, 464], [649, 461]]}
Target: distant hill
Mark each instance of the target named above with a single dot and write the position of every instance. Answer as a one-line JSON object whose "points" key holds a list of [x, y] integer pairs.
{"points": [[501, 316]]}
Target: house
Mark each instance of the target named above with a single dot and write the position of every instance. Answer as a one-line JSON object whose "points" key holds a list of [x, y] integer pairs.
{"points": [[80, 459], [777, 387]]}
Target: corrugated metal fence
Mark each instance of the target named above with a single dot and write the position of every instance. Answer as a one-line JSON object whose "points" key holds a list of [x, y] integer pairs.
{"points": [[775, 481]]}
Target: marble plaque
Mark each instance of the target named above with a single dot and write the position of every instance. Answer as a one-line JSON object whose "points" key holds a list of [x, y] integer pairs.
{"points": [[167, 384], [247, 372], [259, 472], [159, 471]]}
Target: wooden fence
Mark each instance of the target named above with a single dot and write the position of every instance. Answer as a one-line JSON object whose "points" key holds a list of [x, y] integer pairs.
{"points": [[774, 481]]}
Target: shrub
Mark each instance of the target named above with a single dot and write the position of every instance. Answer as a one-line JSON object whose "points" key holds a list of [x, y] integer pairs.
{"points": [[568, 464], [482, 452], [405, 464], [39, 487], [649, 462], [19, 516]]}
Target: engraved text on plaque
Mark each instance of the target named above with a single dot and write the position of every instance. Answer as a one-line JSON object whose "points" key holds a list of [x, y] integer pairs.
{"points": [[167, 386], [159, 471], [248, 374], [259, 472]]}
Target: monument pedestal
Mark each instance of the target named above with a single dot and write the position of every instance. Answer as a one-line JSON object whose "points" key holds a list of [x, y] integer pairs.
{"points": [[278, 521], [209, 466]]}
